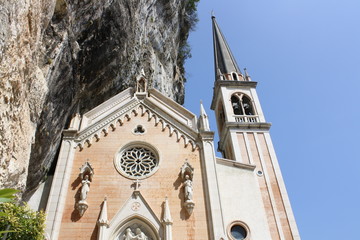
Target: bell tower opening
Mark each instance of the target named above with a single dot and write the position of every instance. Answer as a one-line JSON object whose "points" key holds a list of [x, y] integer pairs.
{"points": [[242, 105]]}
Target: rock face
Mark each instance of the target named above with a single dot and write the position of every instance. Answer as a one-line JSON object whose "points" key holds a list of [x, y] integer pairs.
{"points": [[60, 56]]}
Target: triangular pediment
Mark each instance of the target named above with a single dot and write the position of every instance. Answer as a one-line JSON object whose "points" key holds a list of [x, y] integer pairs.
{"points": [[114, 112], [135, 210]]}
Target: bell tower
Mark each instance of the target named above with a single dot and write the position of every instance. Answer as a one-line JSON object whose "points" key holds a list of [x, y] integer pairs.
{"points": [[244, 138]]}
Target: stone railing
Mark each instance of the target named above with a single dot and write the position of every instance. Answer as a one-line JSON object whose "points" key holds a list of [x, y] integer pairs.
{"points": [[246, 118]]}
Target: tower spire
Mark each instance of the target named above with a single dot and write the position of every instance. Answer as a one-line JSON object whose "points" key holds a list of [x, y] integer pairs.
{"points": [[224, 60]]}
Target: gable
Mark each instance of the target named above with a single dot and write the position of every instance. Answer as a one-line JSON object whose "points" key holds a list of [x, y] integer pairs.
{"points": [[105, 118]]}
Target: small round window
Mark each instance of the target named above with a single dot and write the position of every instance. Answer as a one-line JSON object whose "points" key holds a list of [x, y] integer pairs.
{"points": [[238, 232], [137, 162]]}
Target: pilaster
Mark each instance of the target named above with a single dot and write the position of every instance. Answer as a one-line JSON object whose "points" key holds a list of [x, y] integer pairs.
{"points": [[57, 197], [215, 218]]}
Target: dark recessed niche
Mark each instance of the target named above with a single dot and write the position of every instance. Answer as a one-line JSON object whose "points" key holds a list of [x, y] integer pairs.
{"points": [[139, 130]]}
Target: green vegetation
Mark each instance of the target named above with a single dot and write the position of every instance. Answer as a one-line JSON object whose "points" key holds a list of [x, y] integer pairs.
{"points": [[7, 195], [191, 5], [190, 20], [19, 222]]}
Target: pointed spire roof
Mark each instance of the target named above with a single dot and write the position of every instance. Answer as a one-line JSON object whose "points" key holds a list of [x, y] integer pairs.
{"points": [[167, 216], [224, 59], [202, 109], [103, 220], [203, 119]]}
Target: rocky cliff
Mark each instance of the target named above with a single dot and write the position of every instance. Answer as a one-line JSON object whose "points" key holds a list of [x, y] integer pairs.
{"points": [[62, 56]]}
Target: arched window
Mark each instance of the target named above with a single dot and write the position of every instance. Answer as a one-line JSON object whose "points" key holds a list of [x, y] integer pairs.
{"points": [[236, 105], [241, 104], [234, 76]]}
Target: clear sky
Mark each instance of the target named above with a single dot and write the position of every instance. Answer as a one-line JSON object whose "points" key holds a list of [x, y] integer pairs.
{"points": [[305, 56]]}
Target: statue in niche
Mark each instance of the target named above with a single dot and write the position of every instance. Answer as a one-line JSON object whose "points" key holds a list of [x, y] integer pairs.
{"points": [[85, 188], [86, 175], [140, 235], [188, 188], [186, 174], [129, 235], [141, 85]]}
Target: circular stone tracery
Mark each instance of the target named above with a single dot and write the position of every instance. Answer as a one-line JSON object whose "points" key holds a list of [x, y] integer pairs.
{"points": [[137, 162]]}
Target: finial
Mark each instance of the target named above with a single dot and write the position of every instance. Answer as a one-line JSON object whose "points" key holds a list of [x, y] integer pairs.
{"points": [[246, 74], [212, 14], [167, 216], [103, 219], [203, 122], [247, 77], [202, 109]]}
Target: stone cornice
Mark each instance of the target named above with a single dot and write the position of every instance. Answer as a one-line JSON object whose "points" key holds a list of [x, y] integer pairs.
{"points": [[242, 127], [235, 83], [233, 163], [264, 126], [207, 136], [69, 134]]}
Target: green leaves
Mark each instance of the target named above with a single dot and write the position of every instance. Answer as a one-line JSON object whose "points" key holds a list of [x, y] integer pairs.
{"points": [[22, 222], [19, 222], [7, 195]]}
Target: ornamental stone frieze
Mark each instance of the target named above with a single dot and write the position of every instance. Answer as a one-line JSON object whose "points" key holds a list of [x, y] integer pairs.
{"points": [[102, 128]]}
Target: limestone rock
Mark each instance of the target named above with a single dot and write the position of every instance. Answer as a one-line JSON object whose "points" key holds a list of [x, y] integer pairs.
{"points": [[60, 56]]}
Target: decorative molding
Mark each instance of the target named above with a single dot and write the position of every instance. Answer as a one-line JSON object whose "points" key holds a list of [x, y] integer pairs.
{"points": [[111, 103], [233, 163], [248, 125], [142, 217], [186, 169], [86, 169], [86, 137]]}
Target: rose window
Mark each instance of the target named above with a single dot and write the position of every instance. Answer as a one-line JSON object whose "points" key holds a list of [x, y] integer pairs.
{"points": [[137, 162]]}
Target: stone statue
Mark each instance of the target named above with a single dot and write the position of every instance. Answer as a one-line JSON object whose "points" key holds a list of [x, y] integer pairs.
{"points": [[188, 188], [140, 235], [85, 188], [128, 235]]}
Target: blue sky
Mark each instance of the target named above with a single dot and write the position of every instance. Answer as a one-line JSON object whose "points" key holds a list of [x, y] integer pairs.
{"points": [[305, 56]]}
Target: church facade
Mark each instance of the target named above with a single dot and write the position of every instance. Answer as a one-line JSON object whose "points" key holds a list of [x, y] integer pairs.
{"points": [[140, 166]]}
